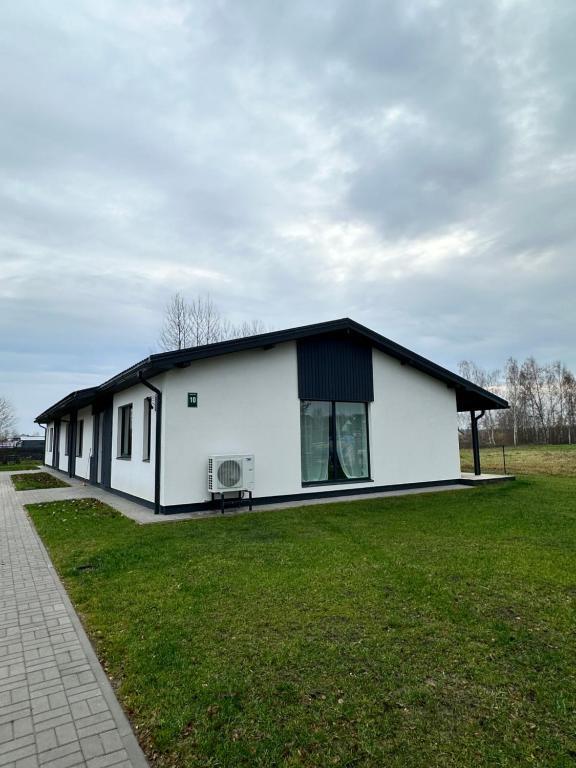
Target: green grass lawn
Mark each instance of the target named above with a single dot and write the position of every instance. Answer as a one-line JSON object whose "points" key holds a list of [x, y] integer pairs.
{"points": [[20, 466], [424, 630], [36, 481], [525, 460]]}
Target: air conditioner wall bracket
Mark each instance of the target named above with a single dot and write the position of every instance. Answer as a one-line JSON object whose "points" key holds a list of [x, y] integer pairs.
{"points": [[234, 501]]}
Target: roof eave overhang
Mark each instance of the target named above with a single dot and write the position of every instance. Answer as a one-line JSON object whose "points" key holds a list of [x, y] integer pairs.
{"points": [[470, 400], [468, 395], [71, 402]]}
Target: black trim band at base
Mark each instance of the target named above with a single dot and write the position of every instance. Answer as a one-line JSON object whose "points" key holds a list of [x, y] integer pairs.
{"points": [[124, 495], [320, 483], [177, 509], [115, 491]]}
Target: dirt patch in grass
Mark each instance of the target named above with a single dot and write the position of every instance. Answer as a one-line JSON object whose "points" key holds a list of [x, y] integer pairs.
{"points": [[35, 481]]}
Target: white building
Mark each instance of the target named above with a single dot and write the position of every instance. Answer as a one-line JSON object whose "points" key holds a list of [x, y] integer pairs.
{"points": [[325, 410]]}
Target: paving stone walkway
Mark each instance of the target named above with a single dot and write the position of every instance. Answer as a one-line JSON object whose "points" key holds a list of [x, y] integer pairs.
{"points": [[57, 707]]}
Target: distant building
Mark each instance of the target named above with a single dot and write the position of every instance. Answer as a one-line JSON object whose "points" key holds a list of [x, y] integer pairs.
{"points": [[31, 442]]}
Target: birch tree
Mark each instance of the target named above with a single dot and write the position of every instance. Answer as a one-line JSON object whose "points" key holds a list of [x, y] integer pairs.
{"points": [[514, 394], [199, 321], [205, 320], [542, 399], [569, 385], [177, 331], [489, 380], [7, 419]]}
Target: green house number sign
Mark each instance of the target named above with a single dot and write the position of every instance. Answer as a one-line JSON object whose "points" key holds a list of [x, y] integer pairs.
{"points": [[192, 399]]}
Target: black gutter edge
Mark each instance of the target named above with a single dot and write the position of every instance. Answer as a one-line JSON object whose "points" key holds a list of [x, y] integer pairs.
{"points": [[157, 441], [71, 400], [158, 363]]}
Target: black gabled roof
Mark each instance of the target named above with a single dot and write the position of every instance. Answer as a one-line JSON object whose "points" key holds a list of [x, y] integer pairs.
{"points": [[469, 396], [73, 401]]}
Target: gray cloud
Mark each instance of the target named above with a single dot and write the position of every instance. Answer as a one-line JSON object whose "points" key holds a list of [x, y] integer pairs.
{"points": [[411, 164]]}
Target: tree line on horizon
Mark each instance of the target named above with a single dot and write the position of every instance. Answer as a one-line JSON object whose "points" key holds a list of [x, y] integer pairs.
{"points": [[542, 399]]}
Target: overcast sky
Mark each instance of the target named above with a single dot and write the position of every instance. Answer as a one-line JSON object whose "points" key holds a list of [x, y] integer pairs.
{"points": [[408, 163]]}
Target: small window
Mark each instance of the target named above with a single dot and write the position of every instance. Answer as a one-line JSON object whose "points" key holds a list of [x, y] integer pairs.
{"points": [[79, 437], [50, 439], [125, 431], [147, 429], [67, 439]]}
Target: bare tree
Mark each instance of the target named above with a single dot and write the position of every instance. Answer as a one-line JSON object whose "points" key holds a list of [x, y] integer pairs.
{"points": [[514, 395], [177, 327], [542, 399], [569, 386], [7, 419], [535, 382], [248, 328], [560, 402], [489, 380], [198, 322], [205, 321]]}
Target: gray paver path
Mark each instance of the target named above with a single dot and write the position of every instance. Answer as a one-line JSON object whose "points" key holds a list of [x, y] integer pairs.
{"points": [[57, 707]]}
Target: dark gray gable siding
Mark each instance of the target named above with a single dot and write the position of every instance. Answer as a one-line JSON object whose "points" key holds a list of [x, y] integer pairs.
{"points": [[335, 368]]}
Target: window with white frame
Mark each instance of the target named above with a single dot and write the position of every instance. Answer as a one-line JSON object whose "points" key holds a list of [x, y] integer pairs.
{"points": [[50, 439]]}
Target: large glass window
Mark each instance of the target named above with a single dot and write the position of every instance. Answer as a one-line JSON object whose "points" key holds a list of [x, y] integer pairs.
{"points": [[315, 425], [351, 437], [334, 441]]}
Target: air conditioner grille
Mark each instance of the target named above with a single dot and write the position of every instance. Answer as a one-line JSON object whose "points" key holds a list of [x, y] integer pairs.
{"points": [[229, 473]]}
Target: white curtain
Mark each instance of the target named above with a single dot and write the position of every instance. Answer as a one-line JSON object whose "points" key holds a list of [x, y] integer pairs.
{"points": [[352, 439], [315, 428]]}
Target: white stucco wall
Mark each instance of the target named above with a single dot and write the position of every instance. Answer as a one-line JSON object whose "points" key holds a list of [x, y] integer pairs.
{"points": [[134, 476], [413, 425], [47, 452], [62, 457], [248, 403], [83, 462]]}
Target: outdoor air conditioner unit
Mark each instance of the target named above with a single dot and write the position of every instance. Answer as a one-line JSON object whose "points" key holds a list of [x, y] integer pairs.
{"points": [[231, 472]]}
